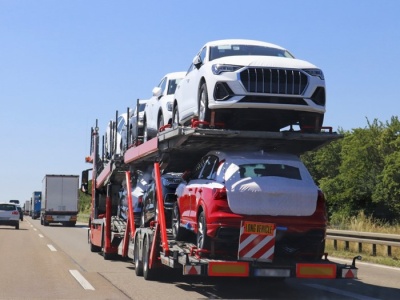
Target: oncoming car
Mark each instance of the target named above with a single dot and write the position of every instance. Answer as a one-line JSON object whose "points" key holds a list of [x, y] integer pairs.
{"points": [[251, 85], [158, 111], [226, 188], [9, 215]]}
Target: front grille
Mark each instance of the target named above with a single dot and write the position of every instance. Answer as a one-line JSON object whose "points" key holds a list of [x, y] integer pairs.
{"points": [[274, 81]]}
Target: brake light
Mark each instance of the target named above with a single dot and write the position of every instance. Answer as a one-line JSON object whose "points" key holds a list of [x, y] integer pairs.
{"points": [[140, 199], [15, 212], [219, 194]]}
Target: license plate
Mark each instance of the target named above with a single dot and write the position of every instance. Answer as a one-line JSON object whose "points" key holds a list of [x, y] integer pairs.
{"points": [[61, 218], [259, 228]]}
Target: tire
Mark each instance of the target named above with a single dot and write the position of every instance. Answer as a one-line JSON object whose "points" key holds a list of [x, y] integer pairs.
{"points": [[148, 273], [17, 226], [108, 256], [178, 232], [145, 136], [94, 248], [202, 239], [138, 262], [203, 111], [311, 123], [160, 122], [175, 117]]}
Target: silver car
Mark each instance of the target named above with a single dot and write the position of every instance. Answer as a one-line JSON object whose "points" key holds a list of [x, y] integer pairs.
{"points": [[9, 215]]}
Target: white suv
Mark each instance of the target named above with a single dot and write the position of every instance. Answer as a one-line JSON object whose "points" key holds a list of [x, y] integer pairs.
{"points": [[9, 214], [250, 85]]}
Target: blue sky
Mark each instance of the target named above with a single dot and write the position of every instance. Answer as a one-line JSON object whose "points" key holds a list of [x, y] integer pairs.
{"points": [[66, 63]]}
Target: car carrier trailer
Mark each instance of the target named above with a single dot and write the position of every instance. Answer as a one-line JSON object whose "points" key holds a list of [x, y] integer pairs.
{"points": [[152, 248]]}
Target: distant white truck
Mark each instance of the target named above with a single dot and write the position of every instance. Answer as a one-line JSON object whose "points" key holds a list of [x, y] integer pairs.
{"points": [[59, 199], [27, 207]]}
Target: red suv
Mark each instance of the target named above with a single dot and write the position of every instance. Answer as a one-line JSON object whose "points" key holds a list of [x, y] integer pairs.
{"points": [[226, 188]]}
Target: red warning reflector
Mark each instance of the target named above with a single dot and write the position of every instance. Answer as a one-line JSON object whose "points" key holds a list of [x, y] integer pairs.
{"points": [[349, 273], [191, 270], [316, 271], [228, 268]]}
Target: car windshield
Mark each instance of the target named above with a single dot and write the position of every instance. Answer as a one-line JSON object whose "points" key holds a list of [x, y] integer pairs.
{"points": [[233, 50], [7, 207], [264, 169]]}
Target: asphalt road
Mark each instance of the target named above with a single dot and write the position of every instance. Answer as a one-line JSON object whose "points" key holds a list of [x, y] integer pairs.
{"points": [[55, 262]]}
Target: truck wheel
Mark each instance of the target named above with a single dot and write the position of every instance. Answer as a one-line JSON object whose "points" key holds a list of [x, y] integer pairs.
{"points": [[138, 262], [202, 240], [204, 112], [45, 223], [148, 273]]}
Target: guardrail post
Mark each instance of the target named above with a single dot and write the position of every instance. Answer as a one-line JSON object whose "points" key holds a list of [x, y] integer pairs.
{"points": [[359, 247], [335, 244], [347, 245], [389, 251], [373, 249]]}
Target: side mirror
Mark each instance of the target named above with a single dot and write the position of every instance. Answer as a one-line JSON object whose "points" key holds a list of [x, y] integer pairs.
{"points": [[85, 181], [197, 61], [186, 175], [157, 91]]}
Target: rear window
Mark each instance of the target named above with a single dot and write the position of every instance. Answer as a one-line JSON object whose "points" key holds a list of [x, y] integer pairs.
{"points": [[7, 207], [265, 170]]}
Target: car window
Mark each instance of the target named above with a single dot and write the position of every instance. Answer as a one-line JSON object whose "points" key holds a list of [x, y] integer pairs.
{"points": [[162, 85], [209, 168], [233, 50], [202, 54], [195, 174], [7, 207], [172, 86], [121, 123], [264, 170]]}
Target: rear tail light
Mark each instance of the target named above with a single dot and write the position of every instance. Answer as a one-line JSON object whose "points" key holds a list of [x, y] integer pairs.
{"points": [[15, 212], [219, 194], [321, 205], [140, 200]]}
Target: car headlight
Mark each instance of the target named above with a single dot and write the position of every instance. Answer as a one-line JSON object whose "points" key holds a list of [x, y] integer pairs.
{"points": [[218, 69], [315, 72]]}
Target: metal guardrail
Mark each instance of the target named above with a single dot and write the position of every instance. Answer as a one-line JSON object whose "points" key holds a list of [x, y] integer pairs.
{"points": [[371, 238]]}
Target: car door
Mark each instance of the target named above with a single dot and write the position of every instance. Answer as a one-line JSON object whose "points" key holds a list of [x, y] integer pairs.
{"points": [[200, 187], [190, 85], [187, 194], [153, 105]]}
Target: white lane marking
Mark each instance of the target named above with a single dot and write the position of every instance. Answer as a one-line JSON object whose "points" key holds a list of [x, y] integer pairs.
{"points": [[82, 281], [34, 229], [41, 235], [340, 292], [51, 247]]}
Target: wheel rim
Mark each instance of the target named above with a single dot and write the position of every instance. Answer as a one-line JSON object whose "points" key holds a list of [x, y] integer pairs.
{"points": [[145, 132], [200, 233], [175, 119], [175, 222], [202, 105]]}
